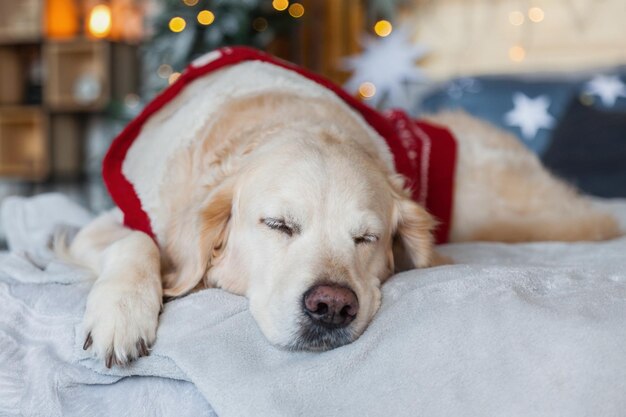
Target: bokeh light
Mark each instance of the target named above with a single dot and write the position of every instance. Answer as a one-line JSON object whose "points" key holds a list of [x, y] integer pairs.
{"points": [[516, 18], [536, 14], [173, 77], [177, 24], [280, 5], [383, 28], [131, 100], [296, 10], [99, 22], [259, 24], [367, 90], [164, 71], [517, 53], [206, 17]]}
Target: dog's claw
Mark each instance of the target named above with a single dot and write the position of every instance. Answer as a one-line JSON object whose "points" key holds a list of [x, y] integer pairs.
{"points": [[88, 342], [142, 348], [109, 360]]}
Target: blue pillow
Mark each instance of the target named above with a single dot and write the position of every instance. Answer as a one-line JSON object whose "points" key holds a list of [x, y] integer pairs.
{"points": [[577, 123], [492, 98]]}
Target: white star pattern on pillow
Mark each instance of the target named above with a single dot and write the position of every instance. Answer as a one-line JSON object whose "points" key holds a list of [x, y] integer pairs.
{"points": [[607, 87], [529, 114]]}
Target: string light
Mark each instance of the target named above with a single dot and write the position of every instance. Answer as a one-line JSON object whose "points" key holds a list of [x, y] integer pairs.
{"points": [[100, 21], [296, 10], [280, 5], [383, 28], [206, 17], [367, 90], [536, 14], [516, 18], [259, 24], [190, 2], [173, 77], [517, 53], [177, 24]]}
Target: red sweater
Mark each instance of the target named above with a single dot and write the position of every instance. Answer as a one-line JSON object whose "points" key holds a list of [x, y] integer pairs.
{"points": [[424, 153]]}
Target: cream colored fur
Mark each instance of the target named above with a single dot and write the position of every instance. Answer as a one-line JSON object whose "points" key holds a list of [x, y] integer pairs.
{"points": [[504, 194], [310, 163]]}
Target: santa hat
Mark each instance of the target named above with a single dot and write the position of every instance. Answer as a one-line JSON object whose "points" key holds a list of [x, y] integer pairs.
{"points": [[423, 153]]}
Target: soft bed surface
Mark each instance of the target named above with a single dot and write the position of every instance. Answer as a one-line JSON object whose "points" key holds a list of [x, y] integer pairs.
{"points": [[515, 330]]}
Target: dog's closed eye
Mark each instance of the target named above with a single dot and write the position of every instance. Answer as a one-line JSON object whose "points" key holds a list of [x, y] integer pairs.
{"points": [[366, 238], [281, 225]]}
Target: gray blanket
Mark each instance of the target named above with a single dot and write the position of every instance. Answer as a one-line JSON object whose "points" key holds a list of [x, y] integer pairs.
{"points": [[536, 329]]}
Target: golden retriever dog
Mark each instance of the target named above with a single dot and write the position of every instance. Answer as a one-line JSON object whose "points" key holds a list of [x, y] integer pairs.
{"points": [[288, 199]]}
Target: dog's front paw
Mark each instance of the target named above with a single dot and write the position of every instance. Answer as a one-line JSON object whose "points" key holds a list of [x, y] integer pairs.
{"points": [[120, 322]]}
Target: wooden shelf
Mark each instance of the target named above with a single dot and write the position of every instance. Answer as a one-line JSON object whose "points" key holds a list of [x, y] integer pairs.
{"points": [[66, 79], [23, 143], [20, 20], [67, 145], [11, 77], [82, 77], [78, 75], [7, 41]]}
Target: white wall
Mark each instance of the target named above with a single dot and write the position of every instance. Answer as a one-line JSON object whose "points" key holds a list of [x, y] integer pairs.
{"points": [[475, 36]]}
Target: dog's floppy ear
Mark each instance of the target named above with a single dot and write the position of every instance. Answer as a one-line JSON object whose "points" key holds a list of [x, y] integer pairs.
{"points": [[199, 240], [413, 238]]}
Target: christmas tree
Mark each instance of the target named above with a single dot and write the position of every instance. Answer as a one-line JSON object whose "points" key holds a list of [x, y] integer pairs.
{"points": [[185, 29]]}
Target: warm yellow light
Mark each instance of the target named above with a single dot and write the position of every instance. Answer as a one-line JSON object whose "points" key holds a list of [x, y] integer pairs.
{"points": [[383, 28], [173, 77], [536, 14], [296, 10], [99, 22], [190, 2], [516, 18], [280, 5], [259, 24], [206, 17], [367, 90], [517, 53], [177, 24]]}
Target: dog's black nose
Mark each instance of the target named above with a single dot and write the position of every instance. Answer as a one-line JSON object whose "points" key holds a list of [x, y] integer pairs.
{"points": [[331, 305]]}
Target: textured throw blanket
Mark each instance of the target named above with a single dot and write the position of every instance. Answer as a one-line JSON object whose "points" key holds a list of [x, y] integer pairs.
{"points": [[510, 330]]}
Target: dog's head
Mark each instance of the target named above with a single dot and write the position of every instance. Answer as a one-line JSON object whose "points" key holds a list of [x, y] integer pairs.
{"points": [[307, 230]]}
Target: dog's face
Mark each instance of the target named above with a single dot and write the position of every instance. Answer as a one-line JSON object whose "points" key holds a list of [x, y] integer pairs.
{"points": [[306, 232]]}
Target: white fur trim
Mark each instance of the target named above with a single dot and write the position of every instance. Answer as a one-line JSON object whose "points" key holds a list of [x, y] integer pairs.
{"points": [[206, 58]]}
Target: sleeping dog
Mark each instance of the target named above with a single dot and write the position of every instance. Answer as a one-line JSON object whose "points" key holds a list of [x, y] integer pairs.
{"points": [[256, 177]]}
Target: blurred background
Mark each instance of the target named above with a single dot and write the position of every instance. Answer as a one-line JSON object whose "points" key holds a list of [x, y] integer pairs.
{"points": [[552, 72]]}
